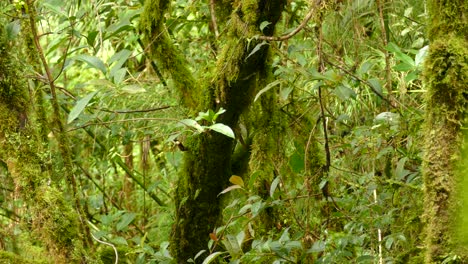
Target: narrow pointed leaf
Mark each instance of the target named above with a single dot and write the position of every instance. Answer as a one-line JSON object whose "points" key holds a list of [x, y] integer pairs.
{"points": [[230, 188], [212, 257], [79, 107]]}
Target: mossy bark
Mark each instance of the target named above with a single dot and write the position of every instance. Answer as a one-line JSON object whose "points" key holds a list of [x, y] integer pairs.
{"points": [[445, 73], [53, 220], [207, 166]]}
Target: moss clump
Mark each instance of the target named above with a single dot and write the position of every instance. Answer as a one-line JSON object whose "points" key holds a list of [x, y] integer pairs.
{"points": [[11, 258], [446, 75], [162, 50]]}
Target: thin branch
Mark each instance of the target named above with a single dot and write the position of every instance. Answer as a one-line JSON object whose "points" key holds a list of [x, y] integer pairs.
{"points": [[123, 120], [360, 80], [295, 31], [388, 73], [213, 18], [135, 111]]}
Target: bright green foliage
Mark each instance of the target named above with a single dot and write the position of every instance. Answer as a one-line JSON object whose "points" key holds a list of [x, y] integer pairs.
{"points": [[193, 136]]}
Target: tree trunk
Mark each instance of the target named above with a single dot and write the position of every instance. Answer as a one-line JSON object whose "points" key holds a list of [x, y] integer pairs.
{"points": [[208, 157], [53, 221], [446, 78]]}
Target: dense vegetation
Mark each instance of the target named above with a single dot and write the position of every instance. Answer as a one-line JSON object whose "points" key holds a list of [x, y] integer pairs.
{"points": [[238, 131]]}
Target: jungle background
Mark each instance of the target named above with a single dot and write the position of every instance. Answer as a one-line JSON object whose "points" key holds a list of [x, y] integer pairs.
{"points": [[233, 131]]}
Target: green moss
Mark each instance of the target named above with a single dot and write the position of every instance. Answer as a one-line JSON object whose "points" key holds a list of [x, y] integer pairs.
{"points": [[207, 161], [446, 76], [11, 258], [53, 220], [163, 50], [447, 17]]}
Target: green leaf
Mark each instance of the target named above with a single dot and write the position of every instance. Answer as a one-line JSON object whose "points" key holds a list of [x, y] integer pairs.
{"points": [[125, 221], [133, 89], [232, 245], [120, 58], [92, 61], [193, 124], [257, 48], [200, 253], [223, 129], [421, 55], [274, 185], [212, 257], [119, 241], [56, 7], [79, 107], [92, 37], [119, 75], [344, 92], [12, 29], [403, 67], [268, 87], [375, 83], [318, 246], [392, 47], [264, 24]]}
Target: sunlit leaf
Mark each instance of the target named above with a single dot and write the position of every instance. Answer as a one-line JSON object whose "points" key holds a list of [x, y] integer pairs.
{"points": [[421, 55], [264, 24], [193, 124], [133, 89], [236, 180], [92, 61], [200, 252], [212, 257], [223, 129], [274, 185], [79, 107], [230, 188]]}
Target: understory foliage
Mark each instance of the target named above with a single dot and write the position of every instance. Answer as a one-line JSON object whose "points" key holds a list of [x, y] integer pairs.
{"points": [[312, 118]]}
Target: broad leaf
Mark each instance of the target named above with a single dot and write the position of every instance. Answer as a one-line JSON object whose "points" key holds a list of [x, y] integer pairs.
{"points": [[193, 124], [92, 61], [212, 257], [236, 180], [125, 221], [80, 106], [223, 129]]}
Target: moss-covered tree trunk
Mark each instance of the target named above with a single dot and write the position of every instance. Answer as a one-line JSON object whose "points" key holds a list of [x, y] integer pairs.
{"points": [[52, 219], [446, 79], [207, 166]]}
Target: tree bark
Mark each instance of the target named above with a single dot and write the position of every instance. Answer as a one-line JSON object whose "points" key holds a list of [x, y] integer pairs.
{"points": [[207, 161], [446, 71], [53, 221]]}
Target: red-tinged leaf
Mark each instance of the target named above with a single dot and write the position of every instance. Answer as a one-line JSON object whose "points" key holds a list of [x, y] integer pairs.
{"points": [[213, 237]]}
